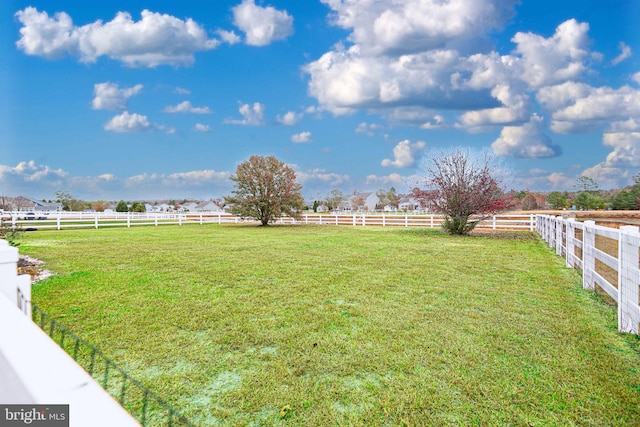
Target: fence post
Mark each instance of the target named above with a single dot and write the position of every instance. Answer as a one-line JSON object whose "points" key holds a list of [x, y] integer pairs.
{"points": [[336, 219], [494, 222], [128, 219], [58, 220], [431, 220], [179, 219], [588, 255], [406, 220], [156, 220], [200, 218], [570, 246], [364, 220], [96, 221], [531, 227], [384, 222], [220, 218], [354, 220], [17, 288], [559, 229], [628, 280]]}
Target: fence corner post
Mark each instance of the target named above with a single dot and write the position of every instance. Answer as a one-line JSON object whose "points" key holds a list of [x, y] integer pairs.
{"points": [[588, 255], [628, 280], [559, 228]]}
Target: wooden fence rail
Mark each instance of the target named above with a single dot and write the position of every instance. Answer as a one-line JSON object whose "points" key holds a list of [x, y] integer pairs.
{"points": [[608, 257]]}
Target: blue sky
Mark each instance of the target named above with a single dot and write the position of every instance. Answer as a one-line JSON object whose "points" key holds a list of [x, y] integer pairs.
{"points": [[157, 100]]}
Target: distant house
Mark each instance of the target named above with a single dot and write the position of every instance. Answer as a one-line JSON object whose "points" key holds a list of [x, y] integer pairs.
{"points": [[363, 201], [24, 203], [189, 207], [208, 206]]}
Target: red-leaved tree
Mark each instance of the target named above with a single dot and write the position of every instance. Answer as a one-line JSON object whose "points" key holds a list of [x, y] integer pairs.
{"points": [[266, 189], [460, 184]]}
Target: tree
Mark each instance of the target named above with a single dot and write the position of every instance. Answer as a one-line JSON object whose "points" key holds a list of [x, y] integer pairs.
{"points": [[463, 185], [529, 202], [335, 199], [587, 201], [122, 206], [557, 200], [584, 183], [69, 202], [266, 189], [388, 198], [138, 207]]}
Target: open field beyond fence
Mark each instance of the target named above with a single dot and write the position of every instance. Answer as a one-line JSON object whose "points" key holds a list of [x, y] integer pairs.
{"points": [[360, 326]]}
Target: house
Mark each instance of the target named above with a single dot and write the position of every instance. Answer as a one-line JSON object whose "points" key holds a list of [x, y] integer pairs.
{"points": [[25, 203], [189, 207], [208, 206], [363, 201]]}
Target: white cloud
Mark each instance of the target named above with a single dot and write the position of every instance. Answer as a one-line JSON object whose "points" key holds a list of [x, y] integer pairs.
{"points": [[229, 37], [418, 25], [108, 96], [186, 107], [516, 108], [126, 122], [391, 179], [625, 52], [301, 138], [368, 128], [320, 175], [404, 154], [156, 39], [556, 59], [199, 127], [182, 91], [526, 142], [636, 77], [544, 180], [252, 115], [262, 25], [588, 107], [290, 118]]}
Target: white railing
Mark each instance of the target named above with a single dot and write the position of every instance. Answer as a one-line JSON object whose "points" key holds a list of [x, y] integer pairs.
{"points": [[34, 369], [608, 257], [60, 220]]}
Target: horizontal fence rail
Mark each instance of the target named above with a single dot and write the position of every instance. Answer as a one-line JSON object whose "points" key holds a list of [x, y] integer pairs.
{"points": [[61, 220], [608, 257], [137, 399]]}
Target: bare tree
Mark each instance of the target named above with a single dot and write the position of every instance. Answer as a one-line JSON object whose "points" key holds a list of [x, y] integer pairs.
{"points": [[461, 184]]}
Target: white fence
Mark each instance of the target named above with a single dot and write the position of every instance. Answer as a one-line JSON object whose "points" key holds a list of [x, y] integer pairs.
{"points": [[34, 370], [608, 257], [60, 220]]}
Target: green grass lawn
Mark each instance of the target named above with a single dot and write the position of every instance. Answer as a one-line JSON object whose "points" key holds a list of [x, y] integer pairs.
{"points": [[344, 326]]}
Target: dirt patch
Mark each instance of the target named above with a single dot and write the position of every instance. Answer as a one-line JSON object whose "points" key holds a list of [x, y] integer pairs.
{"points": [[33, 267]]}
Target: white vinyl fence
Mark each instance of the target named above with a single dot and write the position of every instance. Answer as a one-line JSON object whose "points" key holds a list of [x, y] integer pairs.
{"points": [[34, 370], [608, 257], [60, 220]]}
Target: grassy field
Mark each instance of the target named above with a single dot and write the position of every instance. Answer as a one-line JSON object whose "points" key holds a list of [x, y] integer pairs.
{"points": [[344, 326]]}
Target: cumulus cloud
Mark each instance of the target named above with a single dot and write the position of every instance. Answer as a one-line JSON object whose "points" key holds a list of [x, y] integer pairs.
{"points": [[320, 175], [391, 179], [186, 107], [404, 154], [156, 39], [229, 37], [301, 138], [418, 25], [262, 25], [252, 115], [127, 122], [368, 128], [108, 96], [581, 108], [625, 52], [199, 127], [290, 118], [552, 60], [516, 108], [526, 142]]}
